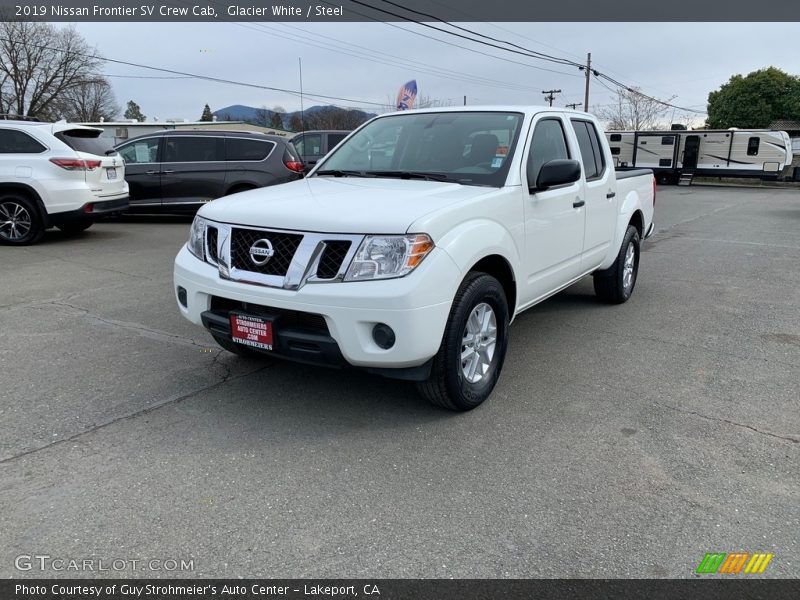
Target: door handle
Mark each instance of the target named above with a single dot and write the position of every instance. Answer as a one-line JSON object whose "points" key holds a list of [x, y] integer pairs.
{"points": [[167, 172], [578, 203], [151, 173], [610, 195]]}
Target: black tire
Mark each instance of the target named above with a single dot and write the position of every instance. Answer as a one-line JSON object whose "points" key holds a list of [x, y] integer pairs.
{"points": [[615, 284], [74, 228], [234, 348], [448, 385], [20, 223]]}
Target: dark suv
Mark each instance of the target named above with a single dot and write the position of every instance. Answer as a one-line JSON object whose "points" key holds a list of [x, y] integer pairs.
{"points": [[178, 171]]}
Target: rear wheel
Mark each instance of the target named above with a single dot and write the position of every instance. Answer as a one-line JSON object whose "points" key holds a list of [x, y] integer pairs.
{"points": [[74, 227], [19, 221], [615, 284], [469, 361]]}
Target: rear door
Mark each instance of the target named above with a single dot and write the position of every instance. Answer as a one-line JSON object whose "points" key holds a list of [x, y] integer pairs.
{"points": [[192, 170], [554, 218], [143, 171], [600, 193]]}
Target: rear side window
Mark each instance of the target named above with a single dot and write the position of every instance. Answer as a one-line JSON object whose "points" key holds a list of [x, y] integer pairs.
{"points": [[17, 142], [548, 143], [242, 149], [752, 146], [86, 140], [616, 137], [594, 163], [193, 149]]}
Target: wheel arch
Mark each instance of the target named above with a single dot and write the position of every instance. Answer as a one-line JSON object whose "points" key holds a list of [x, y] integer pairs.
{"points": [[30, 193], [498, 267], [496, 254]]}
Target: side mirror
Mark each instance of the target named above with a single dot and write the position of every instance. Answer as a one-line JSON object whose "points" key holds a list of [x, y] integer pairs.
{"points": [[556, 172]]}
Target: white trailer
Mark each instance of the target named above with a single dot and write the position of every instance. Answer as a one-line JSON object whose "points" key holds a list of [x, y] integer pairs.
{"points": [[712, 152]]}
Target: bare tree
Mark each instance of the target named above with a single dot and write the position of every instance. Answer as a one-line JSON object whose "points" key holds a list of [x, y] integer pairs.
{"points": [[262, 117], [90, 102], [631, 110], [39, 63], [332, 117]]}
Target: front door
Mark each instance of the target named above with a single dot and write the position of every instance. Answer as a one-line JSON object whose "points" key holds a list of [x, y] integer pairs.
{"points": [[691, 151], [554, 218], [142, 172]]}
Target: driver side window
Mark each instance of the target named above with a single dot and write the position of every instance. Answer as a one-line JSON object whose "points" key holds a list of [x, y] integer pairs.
{"points": [[548, 143]]}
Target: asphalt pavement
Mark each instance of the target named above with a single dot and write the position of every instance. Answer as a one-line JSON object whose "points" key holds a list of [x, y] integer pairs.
{"points": [[621, 441]]}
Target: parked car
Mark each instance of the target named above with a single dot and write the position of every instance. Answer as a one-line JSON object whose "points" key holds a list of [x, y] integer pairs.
{"points": [[313, 145], [179, 171], [415, 269], [55, 174]]}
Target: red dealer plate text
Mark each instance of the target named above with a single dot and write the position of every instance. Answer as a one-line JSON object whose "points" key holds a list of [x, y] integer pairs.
{"points": [[251, 331]]}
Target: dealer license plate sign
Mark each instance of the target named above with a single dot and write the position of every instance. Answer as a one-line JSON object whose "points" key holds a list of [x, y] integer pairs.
{"points": [[251, 331]]}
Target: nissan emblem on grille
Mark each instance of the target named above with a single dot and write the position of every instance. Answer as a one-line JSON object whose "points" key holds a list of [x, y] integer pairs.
{"points": [[261, 251]]}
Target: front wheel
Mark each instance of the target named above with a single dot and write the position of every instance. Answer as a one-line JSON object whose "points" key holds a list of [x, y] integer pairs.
{"points": [[615, 284], [469, 361]]}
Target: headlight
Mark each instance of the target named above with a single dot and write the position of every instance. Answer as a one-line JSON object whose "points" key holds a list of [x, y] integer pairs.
{"points": [[197, 236], [387, 256]]}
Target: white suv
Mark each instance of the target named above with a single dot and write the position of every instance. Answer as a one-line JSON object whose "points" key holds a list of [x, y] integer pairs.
{"points": [[55, 174]]}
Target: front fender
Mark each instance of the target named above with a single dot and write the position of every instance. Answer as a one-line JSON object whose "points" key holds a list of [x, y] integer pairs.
{"points": [[476, 239]]}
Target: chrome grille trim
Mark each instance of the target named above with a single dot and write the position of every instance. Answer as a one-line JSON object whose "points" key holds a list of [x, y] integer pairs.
{"points": [[304, 264]]}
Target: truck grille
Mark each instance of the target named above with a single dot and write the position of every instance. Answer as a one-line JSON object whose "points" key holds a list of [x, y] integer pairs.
{"points": [[212, 233], [332, 257], [284, 246]]}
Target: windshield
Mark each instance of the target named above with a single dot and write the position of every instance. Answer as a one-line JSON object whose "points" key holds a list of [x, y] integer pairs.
{"points": [[471, 148]]}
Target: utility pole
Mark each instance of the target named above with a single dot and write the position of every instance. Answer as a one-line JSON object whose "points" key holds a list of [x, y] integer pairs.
{"points": [[550, 95], [588, 78], [574, 105]]}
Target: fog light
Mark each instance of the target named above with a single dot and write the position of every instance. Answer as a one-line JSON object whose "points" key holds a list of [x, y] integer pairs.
{"points": [[182, 296], [383, 336]]}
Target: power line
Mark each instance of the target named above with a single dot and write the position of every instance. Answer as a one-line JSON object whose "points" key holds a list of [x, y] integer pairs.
{"points": [[195, 75]]}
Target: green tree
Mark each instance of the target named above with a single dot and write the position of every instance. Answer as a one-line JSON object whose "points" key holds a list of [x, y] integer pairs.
{"points": [[755, 100], [206, 116], [134, 112]]}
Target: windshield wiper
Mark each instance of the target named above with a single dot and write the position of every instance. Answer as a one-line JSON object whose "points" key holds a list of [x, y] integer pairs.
{"points": [[411, 175], [339, 173]]}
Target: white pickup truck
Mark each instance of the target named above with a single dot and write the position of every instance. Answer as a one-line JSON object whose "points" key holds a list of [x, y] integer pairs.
{"points": [[408, 250]]}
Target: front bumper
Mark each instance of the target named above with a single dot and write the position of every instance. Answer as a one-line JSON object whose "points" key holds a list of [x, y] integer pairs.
{"points": [[416, 307]]}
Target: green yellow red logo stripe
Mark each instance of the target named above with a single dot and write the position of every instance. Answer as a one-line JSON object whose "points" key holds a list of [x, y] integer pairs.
{"points": [[734, 563]]}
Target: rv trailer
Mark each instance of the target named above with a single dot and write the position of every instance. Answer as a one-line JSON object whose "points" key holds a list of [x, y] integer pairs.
{"points": [[671, 154]]}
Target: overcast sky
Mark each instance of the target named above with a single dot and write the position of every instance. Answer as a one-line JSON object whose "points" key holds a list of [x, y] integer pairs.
{"points": [[687, 60]]}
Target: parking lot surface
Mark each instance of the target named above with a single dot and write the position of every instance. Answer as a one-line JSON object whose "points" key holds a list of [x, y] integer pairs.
{"points": [[621, 441]]}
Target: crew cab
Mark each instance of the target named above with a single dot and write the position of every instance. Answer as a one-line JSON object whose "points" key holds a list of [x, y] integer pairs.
{"points": [[410, 248]]}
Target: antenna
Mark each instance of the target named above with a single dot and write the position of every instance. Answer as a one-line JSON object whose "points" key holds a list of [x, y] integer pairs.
{"points": [[302, 116]]}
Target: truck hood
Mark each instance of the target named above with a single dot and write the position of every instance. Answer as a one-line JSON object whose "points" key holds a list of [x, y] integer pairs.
{"points": [[340, 205]]}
